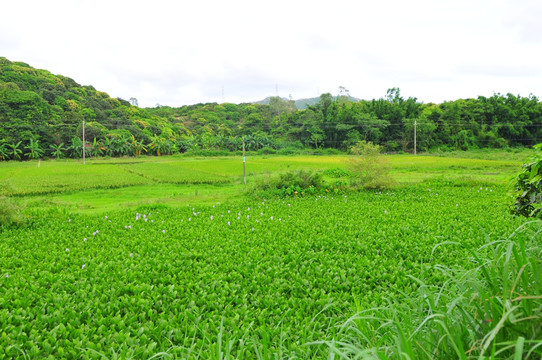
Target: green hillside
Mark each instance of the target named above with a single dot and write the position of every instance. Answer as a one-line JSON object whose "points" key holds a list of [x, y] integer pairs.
{"points": [[42, 114]]}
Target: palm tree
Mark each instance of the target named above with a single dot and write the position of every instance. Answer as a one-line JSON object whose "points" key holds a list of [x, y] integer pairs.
{"points": [[57, 150], [75, 148], [15, 152], [96, 148], [108, 146], [138, 146], [126, 147], [156, 144], [35, 152], [3, 151]]}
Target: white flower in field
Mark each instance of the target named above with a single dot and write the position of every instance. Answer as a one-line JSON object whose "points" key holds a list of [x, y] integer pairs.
{"points": [[261, 214], [271, 218], [238, 218], [213, 206], [248, 216], [490, 190], [248, 209], [212, 217], [257, 221], [106, 217], [228, 223], [385, 211], [228, 211], [84, 265], [252, 229], [7, 275], [146, 219], [164, 231], [195, 214], [289, 205], [189, 219], [85, 239], [131, 254], [280, 219], [238, 214], [69, 220], [67, 249], [94, 233], [129, 226], [222, 215]]}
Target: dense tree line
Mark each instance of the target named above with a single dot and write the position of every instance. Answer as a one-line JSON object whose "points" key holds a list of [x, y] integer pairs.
{"points": [[42, 114]]}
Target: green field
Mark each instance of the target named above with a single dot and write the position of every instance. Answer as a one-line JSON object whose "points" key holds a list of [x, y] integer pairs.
{"points": [[172, 258]]}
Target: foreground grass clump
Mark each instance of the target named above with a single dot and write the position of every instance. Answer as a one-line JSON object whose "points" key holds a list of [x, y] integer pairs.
{"points": [[491, 311]]}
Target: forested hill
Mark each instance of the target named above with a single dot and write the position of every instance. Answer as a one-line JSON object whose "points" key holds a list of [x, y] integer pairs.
{"points": [[42, 114]]}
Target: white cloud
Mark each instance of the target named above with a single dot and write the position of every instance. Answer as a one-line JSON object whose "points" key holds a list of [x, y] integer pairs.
{"points": [[181, 52]]}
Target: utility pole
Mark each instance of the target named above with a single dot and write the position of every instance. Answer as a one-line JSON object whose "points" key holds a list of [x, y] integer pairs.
{"points": [[244, 168], [415, 123], [84, 142]]}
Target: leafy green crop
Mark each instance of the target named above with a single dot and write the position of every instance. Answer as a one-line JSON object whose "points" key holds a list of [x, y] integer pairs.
{"points": [[239, 280]]}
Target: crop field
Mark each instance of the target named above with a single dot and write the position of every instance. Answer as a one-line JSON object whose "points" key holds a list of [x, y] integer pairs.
{"points": [[223, 275]]}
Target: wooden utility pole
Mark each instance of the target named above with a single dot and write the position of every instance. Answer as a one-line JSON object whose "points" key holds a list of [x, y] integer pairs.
{"points": [[415, 123], [244, 168], [84, 142]]}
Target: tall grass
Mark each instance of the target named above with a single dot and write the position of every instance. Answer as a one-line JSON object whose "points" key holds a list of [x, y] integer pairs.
{"points": [[492, 310]]}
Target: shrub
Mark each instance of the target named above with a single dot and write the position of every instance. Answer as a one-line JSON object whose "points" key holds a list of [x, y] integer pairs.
{"points": [[295, 183], [369, 167], [10, 213], [337, 173], [528, 188], [267, 151]]}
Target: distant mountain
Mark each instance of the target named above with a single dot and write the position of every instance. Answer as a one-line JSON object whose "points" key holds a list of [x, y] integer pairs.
{"points": [[301, 104], [267, 100]]}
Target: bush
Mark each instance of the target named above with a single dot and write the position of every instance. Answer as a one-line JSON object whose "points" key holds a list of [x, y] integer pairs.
{"points": [[10, 213], [288, 151], [369, 167], [267, 151], [337, 173], [332, 151], [528, 188], [295, 183]]}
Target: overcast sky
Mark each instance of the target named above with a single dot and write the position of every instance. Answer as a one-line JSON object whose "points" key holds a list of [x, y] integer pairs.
{"points": [[185, 52]]}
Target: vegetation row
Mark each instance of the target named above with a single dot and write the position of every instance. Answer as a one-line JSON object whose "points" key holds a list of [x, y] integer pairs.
{"points": [[42, 114]]}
